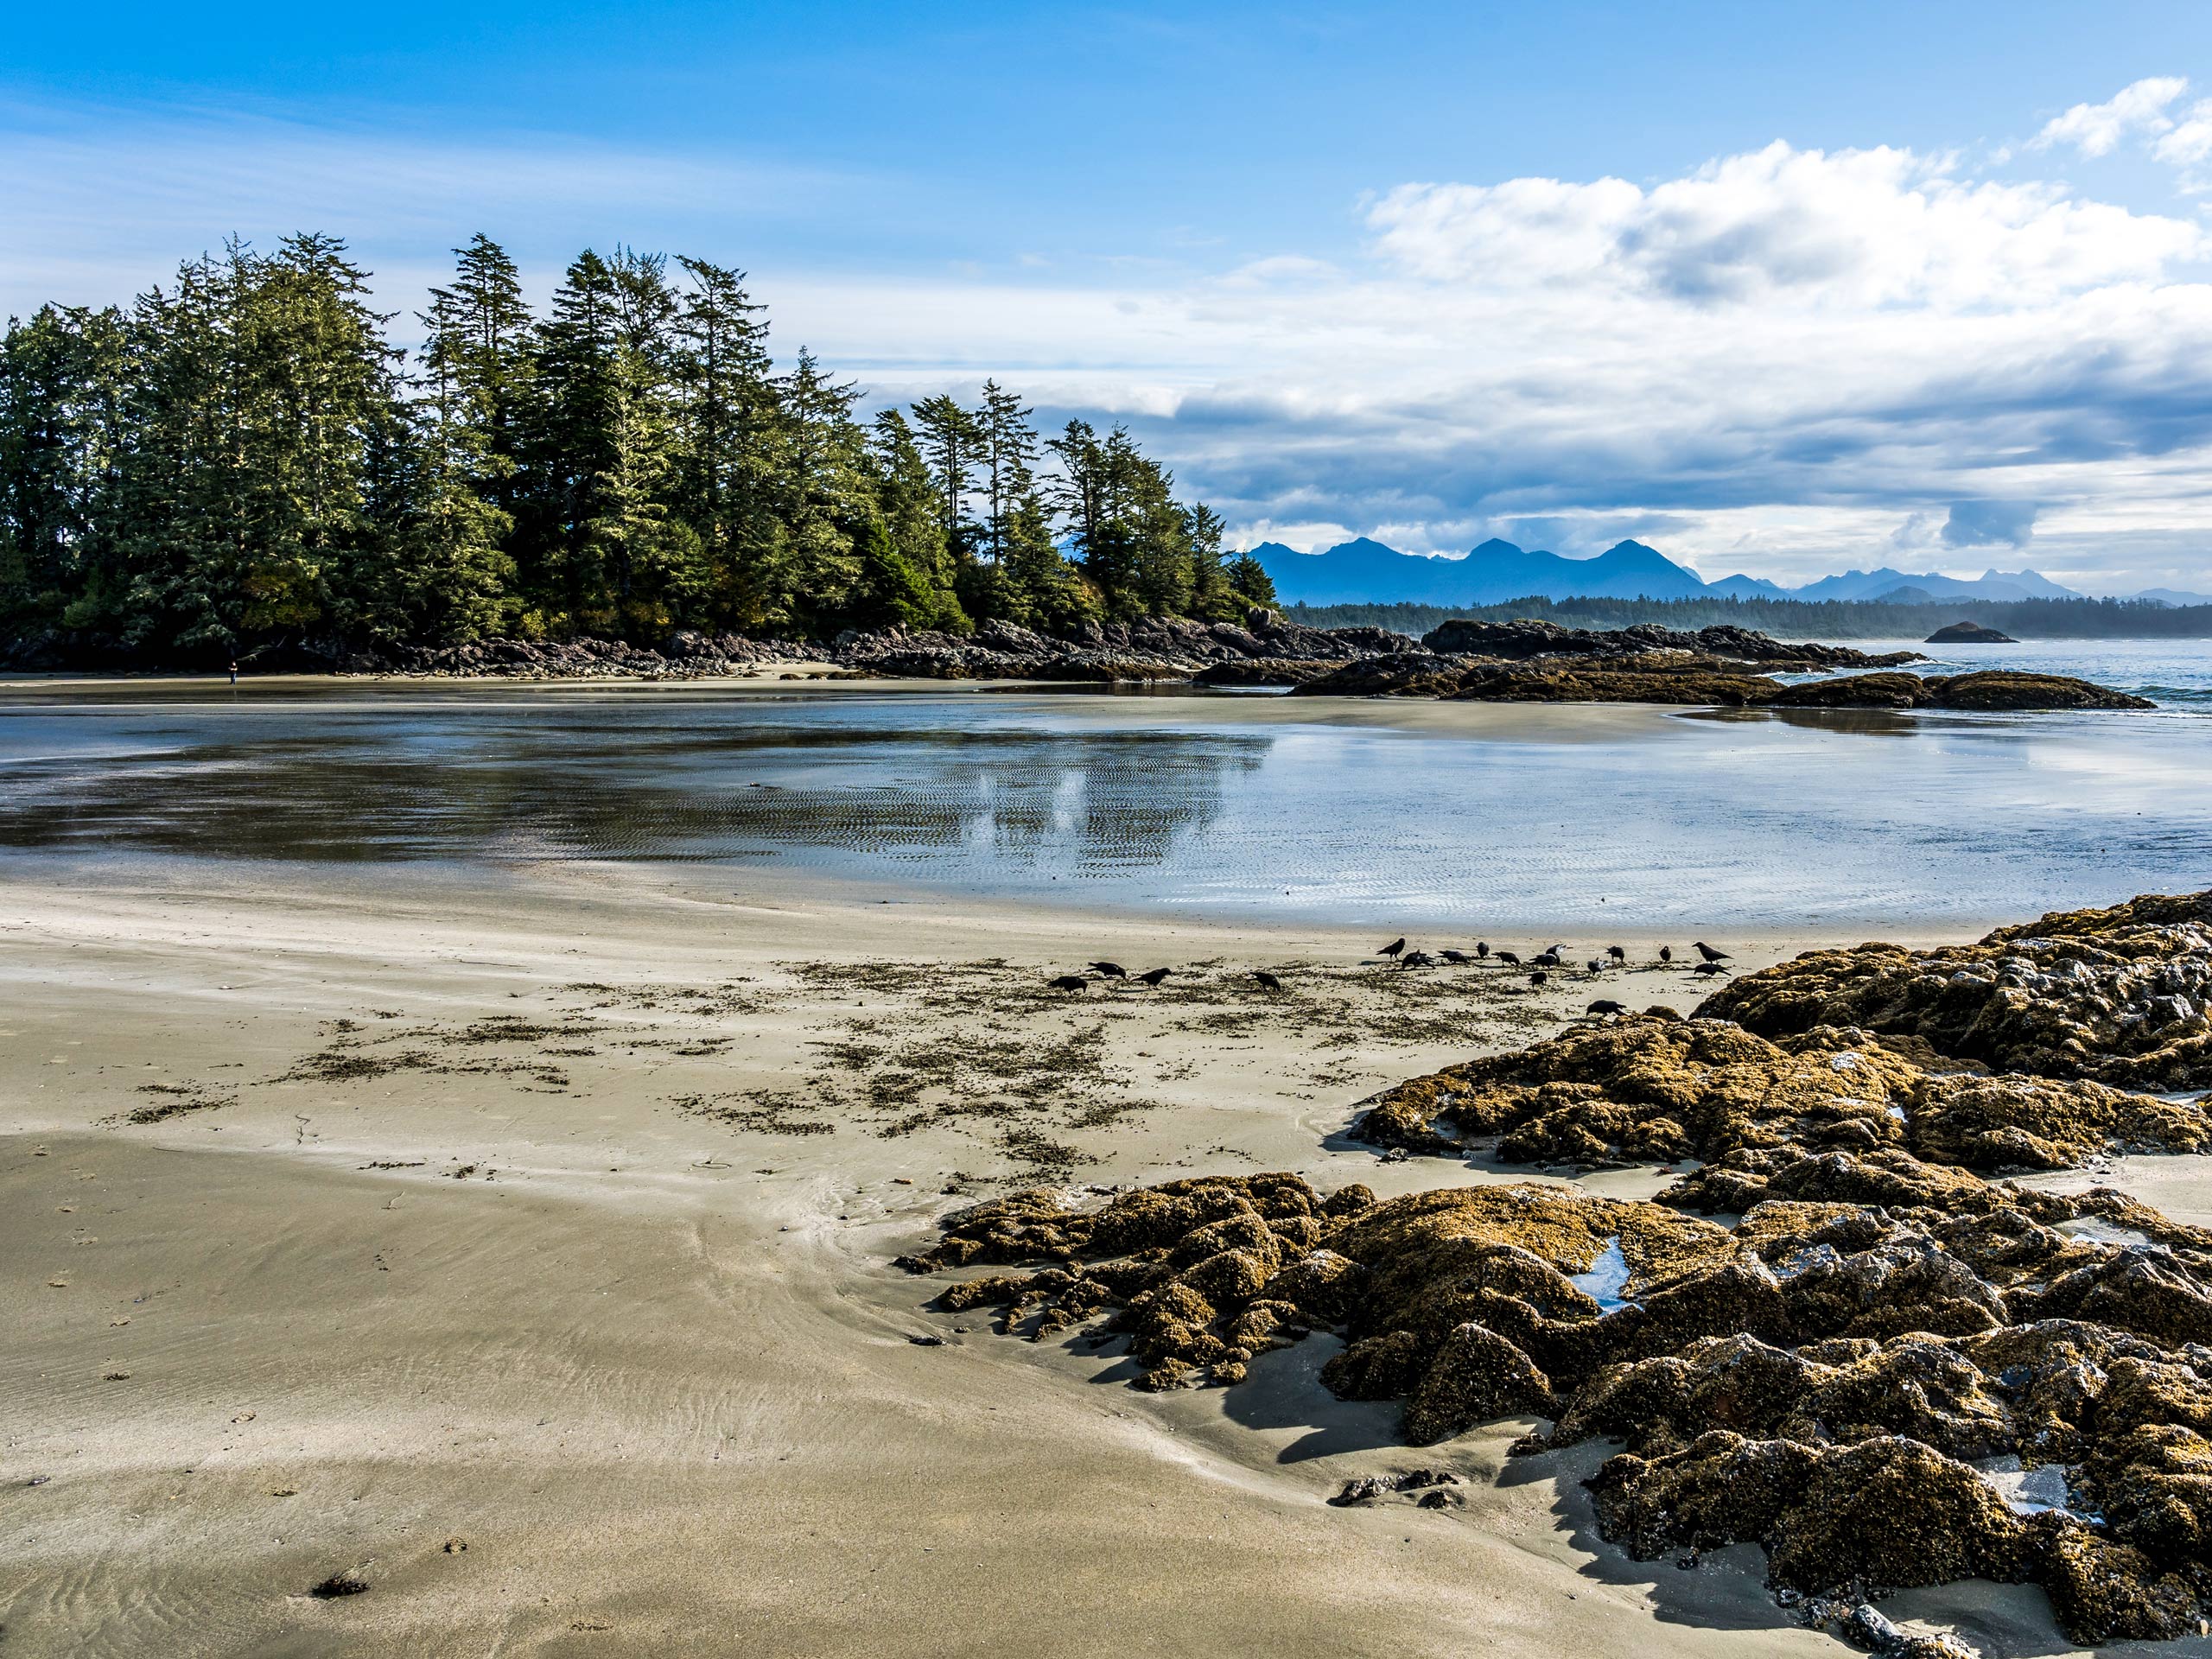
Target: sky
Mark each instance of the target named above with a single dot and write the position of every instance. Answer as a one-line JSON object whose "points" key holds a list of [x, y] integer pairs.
{"points": [[1779, 289]]}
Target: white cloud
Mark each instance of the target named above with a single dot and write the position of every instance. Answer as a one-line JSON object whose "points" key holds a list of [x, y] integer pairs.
{"points": [[1850, 227], [2137, 110]]}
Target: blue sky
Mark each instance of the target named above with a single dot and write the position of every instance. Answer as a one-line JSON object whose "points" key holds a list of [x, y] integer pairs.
{"points": [[1779, 289]]}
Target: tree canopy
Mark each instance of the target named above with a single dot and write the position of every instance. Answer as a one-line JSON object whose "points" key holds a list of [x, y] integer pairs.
{"points": [[244, 460]]}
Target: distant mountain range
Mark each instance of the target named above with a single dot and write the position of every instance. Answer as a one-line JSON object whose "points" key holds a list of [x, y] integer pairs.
{"points": [[1365, 572]]}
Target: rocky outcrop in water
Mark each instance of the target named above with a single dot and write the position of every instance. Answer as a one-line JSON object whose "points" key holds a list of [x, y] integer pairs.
{"points": [[1969, 634], [1684, 680], [1519, 641], [2122, 995]]}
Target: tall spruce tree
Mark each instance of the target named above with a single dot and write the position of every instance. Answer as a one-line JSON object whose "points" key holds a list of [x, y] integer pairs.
{"points": [[729, 432]]}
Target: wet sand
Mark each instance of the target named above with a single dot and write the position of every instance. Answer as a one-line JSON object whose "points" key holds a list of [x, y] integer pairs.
{"points": [[522, 1248]]}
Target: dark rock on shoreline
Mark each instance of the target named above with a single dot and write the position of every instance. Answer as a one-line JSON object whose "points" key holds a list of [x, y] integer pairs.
{"points": [[1519, 641], [1969, 634], [1267, 671]]}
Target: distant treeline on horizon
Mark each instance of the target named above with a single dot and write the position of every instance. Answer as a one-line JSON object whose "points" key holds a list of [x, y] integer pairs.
{"points": [[1797, 619], [242, 462]]}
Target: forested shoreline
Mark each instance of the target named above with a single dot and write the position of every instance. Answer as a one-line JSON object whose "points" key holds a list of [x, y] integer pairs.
{"points": [[242, 464]]}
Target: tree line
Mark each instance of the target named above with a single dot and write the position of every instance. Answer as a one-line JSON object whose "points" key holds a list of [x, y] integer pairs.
{"points": [[1799, 619], [244, 460]]}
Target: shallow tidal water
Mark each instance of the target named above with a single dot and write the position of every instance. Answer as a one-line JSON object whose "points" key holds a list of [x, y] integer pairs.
{"points": [[1342, 812]]}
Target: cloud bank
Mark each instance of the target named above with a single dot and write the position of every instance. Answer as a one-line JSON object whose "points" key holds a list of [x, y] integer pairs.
{"points": [[1784, 361]]}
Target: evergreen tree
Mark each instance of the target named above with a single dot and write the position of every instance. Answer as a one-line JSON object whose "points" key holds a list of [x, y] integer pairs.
{"points": [[953, 444], [61, 428], [906, 503], [457, 577], [826, 495], [1249, 581], [729, 426]]}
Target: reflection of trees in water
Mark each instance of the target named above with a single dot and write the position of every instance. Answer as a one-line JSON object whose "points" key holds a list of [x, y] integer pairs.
{"points": [[505, 791]]}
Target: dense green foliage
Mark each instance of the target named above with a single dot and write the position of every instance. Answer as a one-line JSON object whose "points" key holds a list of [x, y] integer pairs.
{"points": [[244, 461], [1797, 619]]}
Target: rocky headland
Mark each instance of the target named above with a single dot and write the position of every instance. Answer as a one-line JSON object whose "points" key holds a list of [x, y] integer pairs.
{"points": [[1844, 1333]]}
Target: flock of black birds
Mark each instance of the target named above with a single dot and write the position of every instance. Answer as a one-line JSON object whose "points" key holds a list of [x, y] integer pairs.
{"points": [[1539, 967]]}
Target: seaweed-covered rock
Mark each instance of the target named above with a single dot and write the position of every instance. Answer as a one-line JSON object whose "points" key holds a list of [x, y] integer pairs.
{"points": [[1268, 671], [1476, 1376], [1519, 641], [1401, 674], [2122, 996], [1643, 1089]]}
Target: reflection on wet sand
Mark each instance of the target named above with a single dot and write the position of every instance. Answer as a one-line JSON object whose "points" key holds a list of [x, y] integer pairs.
{"points": [[1626, 818]]}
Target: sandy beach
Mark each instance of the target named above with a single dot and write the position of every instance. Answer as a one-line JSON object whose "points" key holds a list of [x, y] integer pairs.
{"points": [[525, 1251], [516, 1240]]}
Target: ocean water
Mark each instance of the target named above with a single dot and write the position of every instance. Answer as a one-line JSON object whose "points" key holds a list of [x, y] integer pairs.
{"points": [[1459, 816]]}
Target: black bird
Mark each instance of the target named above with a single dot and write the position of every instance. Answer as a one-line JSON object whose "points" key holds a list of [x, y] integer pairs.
{"points": [[1416, 959], [1711, 955], [1617, 953], [1606, 1005], [1548, 958], [1539, 978], [1457, 955], [1392, 949], [1071, 983], [1268, 980], [1155, 976], [1110, 969], [1707, 969], [1509, 958], [1596, 965], [1666, 953], [1482, 949]]}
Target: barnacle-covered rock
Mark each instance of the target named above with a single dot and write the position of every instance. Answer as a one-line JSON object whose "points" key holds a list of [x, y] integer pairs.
{"points": [[2119, 997]]}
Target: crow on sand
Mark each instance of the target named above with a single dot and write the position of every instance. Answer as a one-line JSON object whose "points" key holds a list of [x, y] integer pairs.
{"points": [[1606, 1005], [1416, 959], [1711, 955], [1666, 953], [1707, 969], [1070, 983], [1268, 980], [1155, 976], [1539, 978], [1392, 949], [1617, 953], [1482, 949], [1509, 958], [1110, 969], [1457, 955]]}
